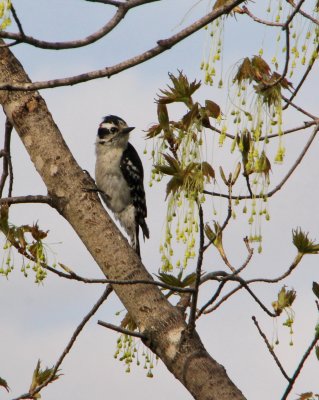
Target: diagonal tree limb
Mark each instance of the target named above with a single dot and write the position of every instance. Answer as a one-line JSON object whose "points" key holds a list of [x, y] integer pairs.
{"points": [[271, 351], [184, 355], [299, 367]]}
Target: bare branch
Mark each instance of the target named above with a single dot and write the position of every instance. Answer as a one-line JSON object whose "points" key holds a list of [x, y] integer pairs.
{"points": [[17, 20], [306, 15], [7, 165], [192, 315], [284, 180], [231, 277], [120, 3], [291, 17], [285, 132], [73, 276], [108, 290], [270, 349], [212, 299], [261, 21], [122, 330], [299, 367], [303, 79], [109, 2], [299, 108], [162, 46], [243, 284], [123, 8], [27, 199]]}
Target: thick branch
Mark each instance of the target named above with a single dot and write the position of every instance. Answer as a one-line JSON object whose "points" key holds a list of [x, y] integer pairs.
{"points": [[163, 324]]}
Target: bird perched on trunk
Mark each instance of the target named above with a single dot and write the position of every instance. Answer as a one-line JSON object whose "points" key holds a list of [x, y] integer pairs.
{"points": [[119, 177]]}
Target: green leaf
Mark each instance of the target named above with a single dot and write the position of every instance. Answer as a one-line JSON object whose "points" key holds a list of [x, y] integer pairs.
{"points": [[208, 170], [244, 72], [4, 384], [210, 234], [169, 279], [260, 68], [212, 109], [181, 91], [236, 173], [162, 115], [173, 162], [305, 396], [262, 165], [315, 289], [173, 185], [41, 375], [303, 243], [153, 131], [189, 279], [190, 118], [284, 300], [317, 352], [4, 216], [165, 169]]}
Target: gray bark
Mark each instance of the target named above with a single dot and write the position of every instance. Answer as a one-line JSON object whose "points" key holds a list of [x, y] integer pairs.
{"points": [[182, 353]]}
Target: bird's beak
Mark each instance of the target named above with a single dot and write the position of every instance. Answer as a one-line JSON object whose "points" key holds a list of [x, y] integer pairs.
{"points": [[128, 129]]}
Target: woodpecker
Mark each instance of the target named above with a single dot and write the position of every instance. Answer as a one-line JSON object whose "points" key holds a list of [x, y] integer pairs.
{"points": [[119, 177]]}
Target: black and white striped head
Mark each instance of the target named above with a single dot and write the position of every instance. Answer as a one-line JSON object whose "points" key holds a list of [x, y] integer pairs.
{"points": [[113, 129]]}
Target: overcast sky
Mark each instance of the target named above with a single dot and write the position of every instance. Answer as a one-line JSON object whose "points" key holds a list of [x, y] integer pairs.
{"points": [[37, 321]]}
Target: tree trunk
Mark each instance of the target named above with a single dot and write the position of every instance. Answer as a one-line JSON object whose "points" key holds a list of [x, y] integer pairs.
{"points": [[183, 353]]}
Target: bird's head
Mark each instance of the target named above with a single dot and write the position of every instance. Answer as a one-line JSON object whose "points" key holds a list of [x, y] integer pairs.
{"points": [[113, 129]]}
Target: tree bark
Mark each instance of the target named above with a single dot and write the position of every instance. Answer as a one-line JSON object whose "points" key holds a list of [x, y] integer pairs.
{"points": [[164, 326]]}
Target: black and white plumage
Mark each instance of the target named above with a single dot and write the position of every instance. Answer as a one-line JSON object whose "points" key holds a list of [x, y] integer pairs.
{"points": [[119, 177]]}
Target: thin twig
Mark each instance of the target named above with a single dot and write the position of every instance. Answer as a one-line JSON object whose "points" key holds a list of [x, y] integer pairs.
{"points": [[246, 176], [17, 20], [302, 80], [270, 349], [243, 284], [306, 15], [215, 276], [261, 21], [122, 330], [300, 109], [284, 180], [162, 46], [27, 199], [123, 8], [299, 367], [108, 2], [193, 309], [7, 165], [229, 210], [291, 17], [108, 290], [73, 276], [212, 299], [292, 267]]}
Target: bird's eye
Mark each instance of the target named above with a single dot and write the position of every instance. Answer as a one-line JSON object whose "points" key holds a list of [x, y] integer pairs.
{"points": [[113, 130]]}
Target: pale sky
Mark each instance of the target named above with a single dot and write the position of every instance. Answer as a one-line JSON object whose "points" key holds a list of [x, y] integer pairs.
{"points": [[37, 321]]}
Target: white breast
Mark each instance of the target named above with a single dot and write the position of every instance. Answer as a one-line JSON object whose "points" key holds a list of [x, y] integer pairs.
{"points": [[109, 178]]}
